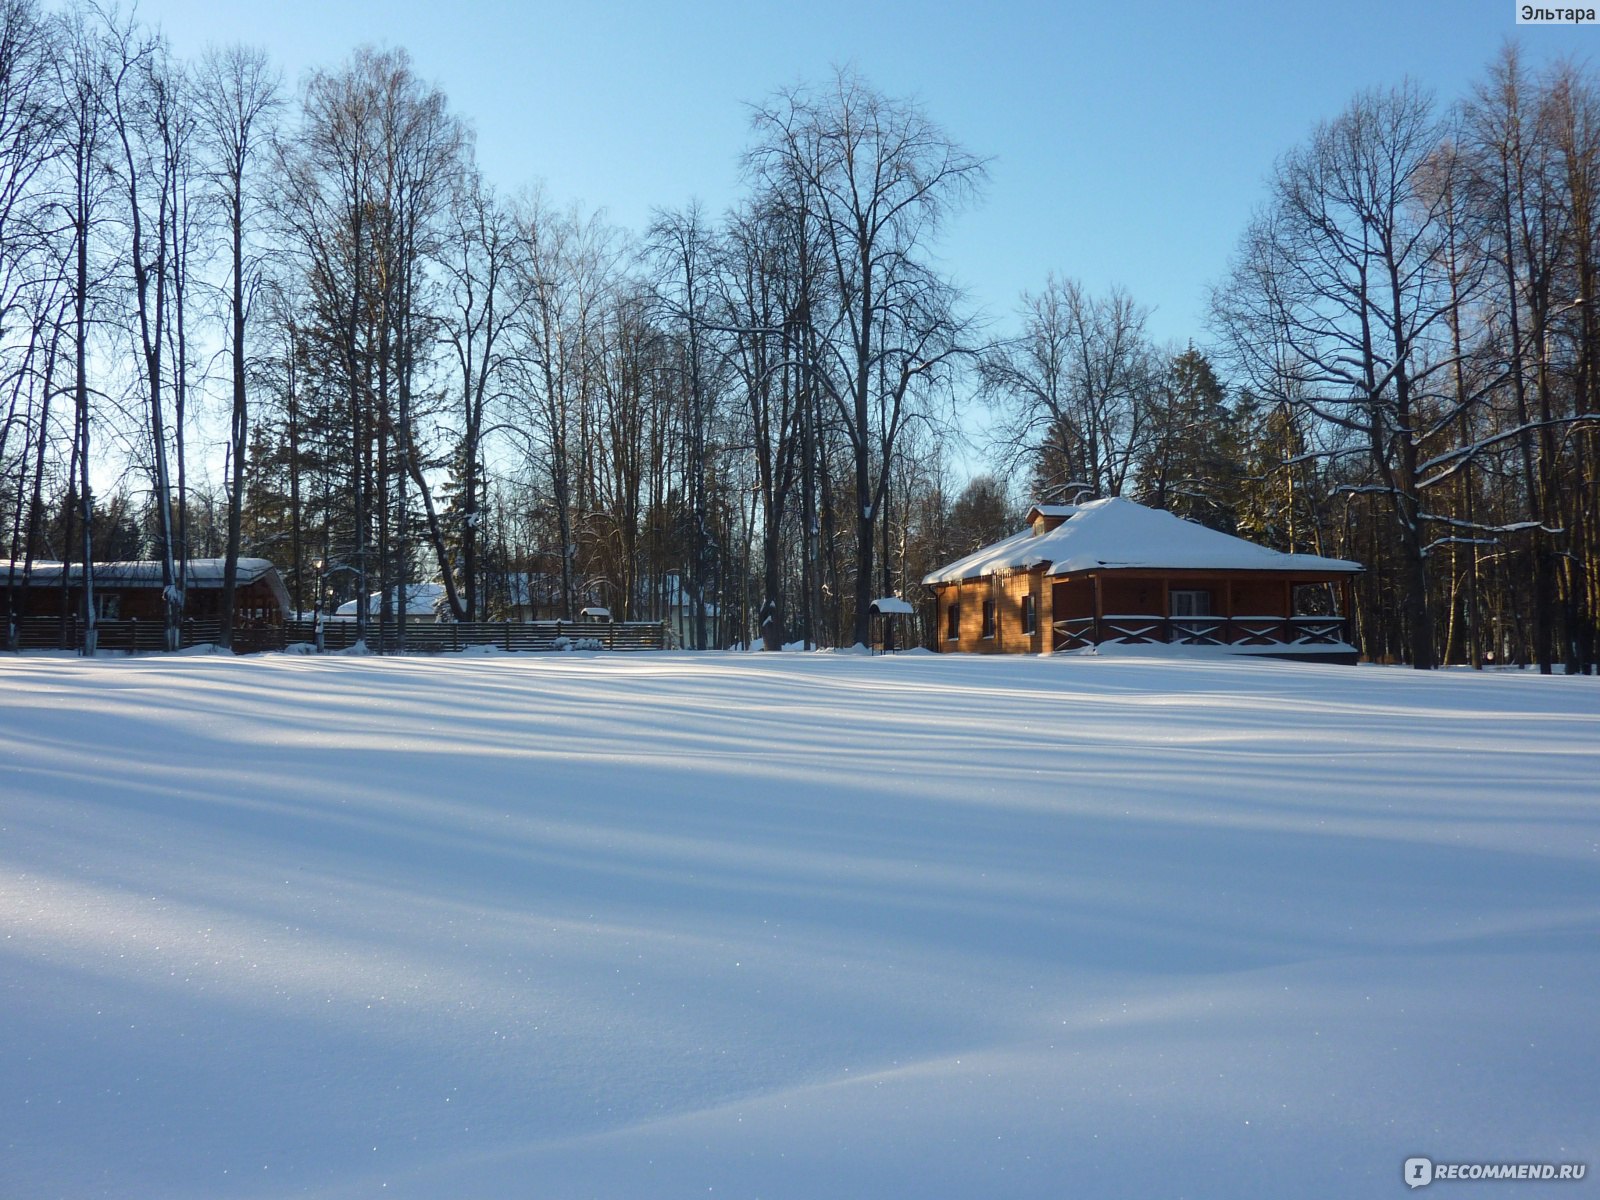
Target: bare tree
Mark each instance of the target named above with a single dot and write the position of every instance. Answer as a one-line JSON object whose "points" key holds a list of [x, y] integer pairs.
{"points": [[147, 112], [31, 283], [765, 286], [1571, 119], [363, 185], [882, 177], [685, 250], [237, 97], [1344, 285], [563, 278], [81, 83], [477, 259], [1513, 178], [425, 156], [1076, 387], [29, 128]]}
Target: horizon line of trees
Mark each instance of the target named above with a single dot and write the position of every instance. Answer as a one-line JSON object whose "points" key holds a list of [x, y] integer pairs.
{"points": [[405, 375]]}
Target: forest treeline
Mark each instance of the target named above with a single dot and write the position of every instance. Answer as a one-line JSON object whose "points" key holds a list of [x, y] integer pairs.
{"points": [[240, 319]]}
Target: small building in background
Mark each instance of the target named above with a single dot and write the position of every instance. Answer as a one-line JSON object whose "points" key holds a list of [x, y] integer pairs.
{"points": [[681, 618], [522, 595], [1112, 573], [424, 601]]}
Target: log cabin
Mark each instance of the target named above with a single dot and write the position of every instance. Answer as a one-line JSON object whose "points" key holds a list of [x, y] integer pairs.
{"points": [[132, 591], [1115, 574]]}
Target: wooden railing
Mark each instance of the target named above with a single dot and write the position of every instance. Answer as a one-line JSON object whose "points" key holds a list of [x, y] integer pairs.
{"points": [[1080, 632], [45, 633]]}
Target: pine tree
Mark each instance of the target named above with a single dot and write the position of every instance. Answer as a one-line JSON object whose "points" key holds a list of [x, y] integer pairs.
{"points": [[461, 521], [1277, 498], [1191, 465]]}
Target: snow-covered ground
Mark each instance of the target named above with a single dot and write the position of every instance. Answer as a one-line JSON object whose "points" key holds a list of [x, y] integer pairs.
{"points": [[791, 926]]}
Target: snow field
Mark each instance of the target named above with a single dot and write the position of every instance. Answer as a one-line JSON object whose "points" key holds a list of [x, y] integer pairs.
{"points": [[790, 926]]}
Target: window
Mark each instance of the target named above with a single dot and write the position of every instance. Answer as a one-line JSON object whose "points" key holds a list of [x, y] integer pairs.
{"points": [[1191, 603], [988, 618], [1030, 620], [107, 606], [952, 622]]}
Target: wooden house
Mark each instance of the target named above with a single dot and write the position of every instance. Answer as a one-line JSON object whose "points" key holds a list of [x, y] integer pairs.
{"points": [[1115, 573], [132, 591]]}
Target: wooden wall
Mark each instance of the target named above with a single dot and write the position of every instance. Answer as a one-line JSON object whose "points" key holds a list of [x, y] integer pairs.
{"points": [[1122, 593], [252, 602], [1147, 593], [1255, 597], [1007, 592], [1073, 599]]}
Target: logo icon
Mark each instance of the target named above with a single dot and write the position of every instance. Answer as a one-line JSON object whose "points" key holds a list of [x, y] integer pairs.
{"points": [[1418, 1172]]}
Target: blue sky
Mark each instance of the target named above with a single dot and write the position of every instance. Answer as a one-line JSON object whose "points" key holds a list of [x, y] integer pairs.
{"points": [[1130, 141]]}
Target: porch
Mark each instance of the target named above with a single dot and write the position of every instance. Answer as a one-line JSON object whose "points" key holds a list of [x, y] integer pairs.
{"points": [[1323, 638]]}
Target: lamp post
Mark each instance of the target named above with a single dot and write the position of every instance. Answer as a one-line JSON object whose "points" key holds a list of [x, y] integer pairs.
{"points": [[317, 565]]}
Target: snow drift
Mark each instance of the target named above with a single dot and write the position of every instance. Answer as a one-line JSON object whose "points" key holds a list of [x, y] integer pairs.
{"points": [[789, 926]]}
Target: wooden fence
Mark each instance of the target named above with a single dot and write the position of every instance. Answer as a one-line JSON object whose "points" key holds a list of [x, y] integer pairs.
{"points": [[451, 636], [52, 633], [44, 633]]}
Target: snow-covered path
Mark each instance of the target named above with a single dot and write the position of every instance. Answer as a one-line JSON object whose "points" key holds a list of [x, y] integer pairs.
{"points": [[790, 926]]}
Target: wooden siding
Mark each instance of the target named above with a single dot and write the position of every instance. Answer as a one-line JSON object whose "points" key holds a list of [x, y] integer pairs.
{"points": [[1006, 592], [251, 602], [1072, 598], [1260, 598], [1137, 595]]}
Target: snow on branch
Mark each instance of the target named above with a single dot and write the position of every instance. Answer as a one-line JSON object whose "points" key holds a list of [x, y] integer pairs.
{"points": [[1454, 458], [1366, 489], [1513, 527], [1458, 541]]}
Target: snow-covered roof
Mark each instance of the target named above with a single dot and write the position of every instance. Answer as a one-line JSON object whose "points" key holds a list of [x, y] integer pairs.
{"points": [[1117, 533], [892, 606], [525, 588], [201, 573], [422, 600]]}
